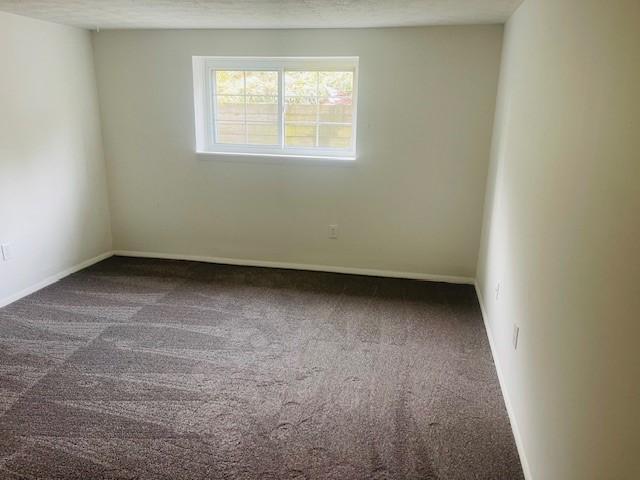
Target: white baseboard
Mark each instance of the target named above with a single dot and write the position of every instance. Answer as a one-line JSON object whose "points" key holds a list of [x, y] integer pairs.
{"points": [[300, 266], [505, 393], [52, 279]]}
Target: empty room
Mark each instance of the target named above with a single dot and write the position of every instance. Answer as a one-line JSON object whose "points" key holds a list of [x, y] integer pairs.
{"points": [[320, 239]]}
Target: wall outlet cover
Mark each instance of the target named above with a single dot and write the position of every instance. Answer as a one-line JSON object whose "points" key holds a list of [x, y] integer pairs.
{"points": [[516, 334], [6, 251]]}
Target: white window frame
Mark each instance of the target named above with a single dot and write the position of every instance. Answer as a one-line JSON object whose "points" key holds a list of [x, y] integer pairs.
{"points": [[204, 104]]}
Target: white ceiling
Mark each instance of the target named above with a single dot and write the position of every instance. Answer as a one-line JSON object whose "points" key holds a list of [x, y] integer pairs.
{"points": [[261, 13]]}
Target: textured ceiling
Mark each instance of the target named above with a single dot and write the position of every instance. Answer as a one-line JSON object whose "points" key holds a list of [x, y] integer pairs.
{"points": [[261, 13]]}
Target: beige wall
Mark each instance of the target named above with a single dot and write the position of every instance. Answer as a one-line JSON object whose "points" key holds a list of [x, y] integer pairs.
{"points": [[412, 201], [562, 236], [53, 197]]}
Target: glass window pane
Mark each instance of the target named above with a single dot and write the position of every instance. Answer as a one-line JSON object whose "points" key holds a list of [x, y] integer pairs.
{"points": [[336, 109], [318, 108], [229, 82], [300, 135], [263, 133], [335, 84], [301, 109], [262, 83], [303, 84], [335, 136], [262, 109], [231, 133], [229, 108]]}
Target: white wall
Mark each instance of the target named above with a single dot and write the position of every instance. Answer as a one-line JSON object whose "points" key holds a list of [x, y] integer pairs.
{"points": [[53, 197], [412, 202], [562, 236]]}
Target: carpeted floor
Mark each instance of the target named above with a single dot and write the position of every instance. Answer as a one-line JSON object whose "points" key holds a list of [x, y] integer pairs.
{"points": [[155, 369]]}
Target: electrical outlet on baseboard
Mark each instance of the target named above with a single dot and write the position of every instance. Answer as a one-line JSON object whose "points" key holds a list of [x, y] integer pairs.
{"points": [[333, 232], [6, 251]]}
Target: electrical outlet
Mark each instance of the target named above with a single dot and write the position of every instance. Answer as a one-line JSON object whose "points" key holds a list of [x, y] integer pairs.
{"points": [[6, 251], [497, 290], [516, 334], [333, 231]]}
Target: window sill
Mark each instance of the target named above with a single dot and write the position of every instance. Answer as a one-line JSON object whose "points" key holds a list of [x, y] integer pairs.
{"points": [[277, 157]]}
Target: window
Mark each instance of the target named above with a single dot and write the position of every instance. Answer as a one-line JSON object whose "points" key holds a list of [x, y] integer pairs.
{"points": [[298, 107]]}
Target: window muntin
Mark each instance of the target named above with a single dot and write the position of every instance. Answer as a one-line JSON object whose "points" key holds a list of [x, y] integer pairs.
{"points": [[276, 106]]}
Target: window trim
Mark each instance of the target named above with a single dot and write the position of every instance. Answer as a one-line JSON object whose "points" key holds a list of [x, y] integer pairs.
{"points": [[204, 104]]}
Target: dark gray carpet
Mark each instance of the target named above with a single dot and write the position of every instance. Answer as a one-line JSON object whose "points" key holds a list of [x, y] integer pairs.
{"points": [[152, 369]]}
